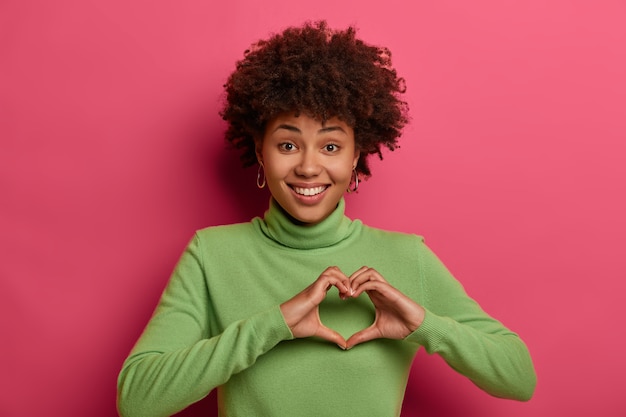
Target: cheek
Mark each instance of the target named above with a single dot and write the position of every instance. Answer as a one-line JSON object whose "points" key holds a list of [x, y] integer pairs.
{"points": [[341, 175], [273, 168]]}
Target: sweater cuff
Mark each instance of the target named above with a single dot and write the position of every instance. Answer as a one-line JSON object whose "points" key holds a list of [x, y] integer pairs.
{"points": [[271, 324], [431, 332]]}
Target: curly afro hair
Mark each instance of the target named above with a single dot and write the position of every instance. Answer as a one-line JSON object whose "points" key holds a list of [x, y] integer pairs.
{"points": [[320, 72]]}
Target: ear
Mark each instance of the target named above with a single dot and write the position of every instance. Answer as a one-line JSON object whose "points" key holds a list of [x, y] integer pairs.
{"points": [[258, 150], [357, 155]]}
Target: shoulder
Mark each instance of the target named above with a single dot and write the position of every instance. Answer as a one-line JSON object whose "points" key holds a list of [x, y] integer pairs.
{"points": [[388, 240], [225, 230], [225, 236]]}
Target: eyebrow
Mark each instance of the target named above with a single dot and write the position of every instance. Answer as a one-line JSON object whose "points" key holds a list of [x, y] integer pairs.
{"points": [[325, 129]]}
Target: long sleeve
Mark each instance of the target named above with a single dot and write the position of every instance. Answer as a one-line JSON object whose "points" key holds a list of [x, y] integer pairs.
{"points": [[181, 357], [469, 340]]}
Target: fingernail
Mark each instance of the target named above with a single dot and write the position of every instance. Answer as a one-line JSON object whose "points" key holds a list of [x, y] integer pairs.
{"points": [[341, 347]]}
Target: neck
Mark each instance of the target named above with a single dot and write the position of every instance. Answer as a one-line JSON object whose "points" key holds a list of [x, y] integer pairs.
{"points": [[279, 226]]}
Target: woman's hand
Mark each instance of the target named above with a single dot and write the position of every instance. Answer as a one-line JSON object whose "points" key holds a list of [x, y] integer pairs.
{"points": [[397, 315], [301, 312]]}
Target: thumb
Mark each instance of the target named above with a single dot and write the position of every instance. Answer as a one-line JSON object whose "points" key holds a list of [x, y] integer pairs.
{"points": [[365, 335], [331, 335]]}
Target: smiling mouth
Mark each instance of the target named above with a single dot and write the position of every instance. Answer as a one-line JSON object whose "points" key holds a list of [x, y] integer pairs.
{"points": [[308, 192]]}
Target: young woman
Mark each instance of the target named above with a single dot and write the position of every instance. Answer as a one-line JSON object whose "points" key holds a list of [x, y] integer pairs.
{"points": [[305, 312]]}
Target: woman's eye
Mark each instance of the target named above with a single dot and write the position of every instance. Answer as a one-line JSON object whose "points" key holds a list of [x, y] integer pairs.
{"points": [[286, 146], [331, 147]]}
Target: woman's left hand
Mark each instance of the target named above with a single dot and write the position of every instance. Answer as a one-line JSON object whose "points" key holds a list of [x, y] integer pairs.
{"points": [[397, 315]]}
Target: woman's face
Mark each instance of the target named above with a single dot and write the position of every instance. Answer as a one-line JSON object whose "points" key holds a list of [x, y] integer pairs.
{"points": [[308, 165]]}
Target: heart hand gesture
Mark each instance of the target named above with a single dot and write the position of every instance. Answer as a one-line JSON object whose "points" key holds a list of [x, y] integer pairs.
{"points": [[397, 315]]}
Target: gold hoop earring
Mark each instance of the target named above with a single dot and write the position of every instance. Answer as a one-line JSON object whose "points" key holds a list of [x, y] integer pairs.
{"points": [[356, 182], [258, 176]]}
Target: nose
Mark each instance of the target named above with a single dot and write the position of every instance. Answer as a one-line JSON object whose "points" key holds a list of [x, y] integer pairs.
{"points": [[309, 164]]}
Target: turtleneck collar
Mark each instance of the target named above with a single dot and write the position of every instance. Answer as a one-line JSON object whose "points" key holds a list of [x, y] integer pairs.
{"points": [[279, 226]]}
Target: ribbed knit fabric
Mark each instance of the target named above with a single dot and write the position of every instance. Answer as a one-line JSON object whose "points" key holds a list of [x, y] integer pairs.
{"points": [[219, 325]]}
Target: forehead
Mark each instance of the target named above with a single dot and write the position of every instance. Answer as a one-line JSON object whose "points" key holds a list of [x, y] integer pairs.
{"points": [[303, 122]]}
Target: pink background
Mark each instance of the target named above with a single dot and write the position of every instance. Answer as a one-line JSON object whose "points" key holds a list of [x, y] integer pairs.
{"points": [[111, 155]]}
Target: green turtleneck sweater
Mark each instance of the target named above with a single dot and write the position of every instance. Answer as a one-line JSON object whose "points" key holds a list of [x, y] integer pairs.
{"points": [[219, 325]]}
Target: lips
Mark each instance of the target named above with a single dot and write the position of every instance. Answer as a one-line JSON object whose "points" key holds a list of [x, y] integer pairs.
{"points": [[309, 191]]}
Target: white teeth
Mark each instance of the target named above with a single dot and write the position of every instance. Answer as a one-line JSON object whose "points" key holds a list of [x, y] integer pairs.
{"points": [[309, 191]]}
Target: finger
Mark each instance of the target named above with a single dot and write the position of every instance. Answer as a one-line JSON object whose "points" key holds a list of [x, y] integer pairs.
{"points": [[375, 283], [370, 280], [361, 276], [358, 272], [357, 278], [388, 298], [333, 270], [319, 289], [353, 276], [365, 335], [333, 276], [331, 335]]}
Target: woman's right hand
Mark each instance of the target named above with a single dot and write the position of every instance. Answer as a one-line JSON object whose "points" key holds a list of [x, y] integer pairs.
{"points": [[301, 312]]}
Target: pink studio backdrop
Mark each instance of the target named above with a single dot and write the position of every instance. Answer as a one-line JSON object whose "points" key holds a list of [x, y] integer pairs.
{"points": [[111, 155]]}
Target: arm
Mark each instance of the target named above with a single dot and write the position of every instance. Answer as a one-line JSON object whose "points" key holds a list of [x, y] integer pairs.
{"points": [[450, 324], [467, 338], [178, 360]]}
